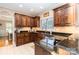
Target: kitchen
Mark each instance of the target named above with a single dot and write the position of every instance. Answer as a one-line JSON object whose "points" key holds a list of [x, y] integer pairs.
{"points": [[54, 31]]}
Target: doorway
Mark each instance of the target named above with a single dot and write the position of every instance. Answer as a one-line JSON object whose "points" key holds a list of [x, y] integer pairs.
{"points": [[5, 33]]}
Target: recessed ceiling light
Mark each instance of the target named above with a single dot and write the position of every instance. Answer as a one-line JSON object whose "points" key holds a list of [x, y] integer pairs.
{"points": [[41, 7], [20, 5]]}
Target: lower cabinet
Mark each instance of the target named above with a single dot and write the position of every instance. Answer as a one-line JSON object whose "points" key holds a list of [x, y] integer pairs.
{"points": [[40, 36], [25, 37], [22, 38], [19, 39], [33, 37], [40, 51]]}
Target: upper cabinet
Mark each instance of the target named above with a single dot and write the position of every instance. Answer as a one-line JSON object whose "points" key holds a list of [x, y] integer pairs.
{"points": [[37, 21], [26, 21], [64, 15], [17, 20], [33, 21]]}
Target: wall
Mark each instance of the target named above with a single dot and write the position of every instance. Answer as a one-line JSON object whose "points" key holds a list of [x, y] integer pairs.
{"points": [[67, 29], [3, 28], [50, 14]]}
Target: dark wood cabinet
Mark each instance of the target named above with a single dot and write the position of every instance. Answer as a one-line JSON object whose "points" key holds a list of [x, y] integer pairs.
{"points": [[26, 21], [40, 36], [31, 22], [64, 15], [22, 38], [25, 37], [22, 20], [33, 37], [34, 21], [19, 39], [37, 21], [41, 51], [17, 20]]}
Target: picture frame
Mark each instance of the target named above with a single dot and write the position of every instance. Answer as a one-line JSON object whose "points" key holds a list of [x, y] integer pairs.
{"points": [[46, 14]]}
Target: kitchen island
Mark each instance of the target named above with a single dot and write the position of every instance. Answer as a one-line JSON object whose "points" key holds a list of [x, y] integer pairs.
{"points": [[58, 49], [62, 45]]}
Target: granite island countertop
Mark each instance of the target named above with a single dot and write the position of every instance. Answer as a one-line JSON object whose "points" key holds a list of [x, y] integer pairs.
{"points": [[72, 51]]}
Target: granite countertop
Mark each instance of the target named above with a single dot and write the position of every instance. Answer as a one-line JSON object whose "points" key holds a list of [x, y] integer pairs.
{"points": [[69, 45], [26, 32], [53, 32], [73, 51]]}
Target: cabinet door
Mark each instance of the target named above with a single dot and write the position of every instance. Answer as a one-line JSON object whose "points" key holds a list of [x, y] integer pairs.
{"points": [[28, 21], [17, 20], [19, 39], [33, 37], [37, 21], [26, 38], [24, 21], [71, 15], [65, 16], [40, 36], [57, 18], [31, 22]]}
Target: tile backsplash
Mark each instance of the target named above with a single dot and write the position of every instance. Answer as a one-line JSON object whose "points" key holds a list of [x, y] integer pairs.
{"points": [[68, 29]]}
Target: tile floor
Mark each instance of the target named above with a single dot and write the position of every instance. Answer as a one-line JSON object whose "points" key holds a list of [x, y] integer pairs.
{"points": [[26, 49]]}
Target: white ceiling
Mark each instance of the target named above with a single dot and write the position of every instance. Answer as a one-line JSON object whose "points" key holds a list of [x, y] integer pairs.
{"points": [[31, 9]]}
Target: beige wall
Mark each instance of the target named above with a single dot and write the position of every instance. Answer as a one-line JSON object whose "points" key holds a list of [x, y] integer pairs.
{"points": [[50, 14], [69, 29]]}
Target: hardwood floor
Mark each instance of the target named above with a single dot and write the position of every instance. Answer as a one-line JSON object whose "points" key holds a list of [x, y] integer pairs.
{"points": [[4, 41]]}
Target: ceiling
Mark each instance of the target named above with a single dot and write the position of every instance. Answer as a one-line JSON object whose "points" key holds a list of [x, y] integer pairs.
{"points": [[31, 9]]}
